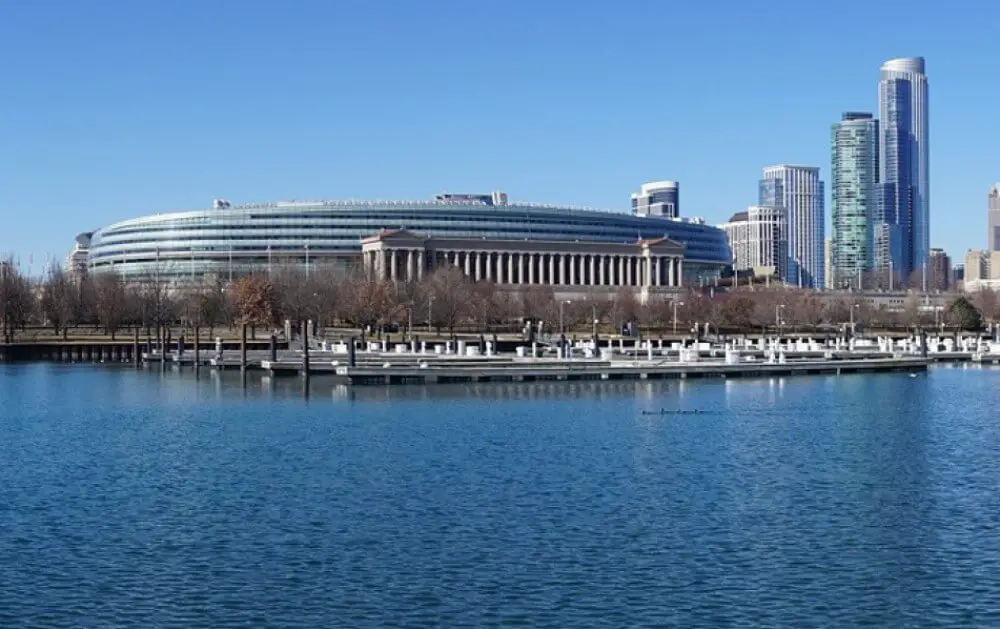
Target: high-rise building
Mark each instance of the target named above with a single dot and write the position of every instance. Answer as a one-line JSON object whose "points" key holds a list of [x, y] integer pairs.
{"points": [[799, 191], [939, 275], [828, 260], [903, 233], [977, 265], [994, 218], [658, 198], [853, 198], [758, 240]]}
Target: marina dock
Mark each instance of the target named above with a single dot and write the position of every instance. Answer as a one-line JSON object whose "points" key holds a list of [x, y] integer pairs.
{"points": [[533, 370]]}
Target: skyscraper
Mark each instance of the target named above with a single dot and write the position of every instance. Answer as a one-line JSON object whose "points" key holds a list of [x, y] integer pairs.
{"points": [[994, 218], [799, 191], [758, 240], [853, 197], [903, 230], [658, 198], [939, 275]]}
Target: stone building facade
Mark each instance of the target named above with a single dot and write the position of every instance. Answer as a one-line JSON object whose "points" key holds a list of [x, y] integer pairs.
{"points": [[648, 266]]}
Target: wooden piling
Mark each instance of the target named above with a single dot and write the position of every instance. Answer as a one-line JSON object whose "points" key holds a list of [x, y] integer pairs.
{"points": [[305, 349], [135, 347], [243, 347]]}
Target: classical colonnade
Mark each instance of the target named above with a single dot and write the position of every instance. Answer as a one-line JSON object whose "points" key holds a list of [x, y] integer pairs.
{"points": [[644, 268]]}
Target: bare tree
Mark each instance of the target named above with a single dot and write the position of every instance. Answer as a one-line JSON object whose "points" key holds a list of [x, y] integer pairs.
{"points": [[328, 291], [538, 302], [295, 294], [213, 304], [16, 299], [738, 311], [624, 307], [910, 314], [110, 301], [59, 298], [987, 303], [204, 302], [369, 302], [448, 292], [254, 301], [805, 308], [412, 297], [483, 304], [658, 313], [700, 308]]}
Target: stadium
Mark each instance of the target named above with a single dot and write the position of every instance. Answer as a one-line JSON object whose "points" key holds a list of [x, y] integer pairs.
{"points": [[229, 240]]}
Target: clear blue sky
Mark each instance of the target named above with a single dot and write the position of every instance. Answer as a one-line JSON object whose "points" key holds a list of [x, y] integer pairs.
{"points": [[119, 108]]}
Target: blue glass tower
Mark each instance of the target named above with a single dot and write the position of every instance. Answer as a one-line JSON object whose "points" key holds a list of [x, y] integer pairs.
{"points": [[902, 234]]}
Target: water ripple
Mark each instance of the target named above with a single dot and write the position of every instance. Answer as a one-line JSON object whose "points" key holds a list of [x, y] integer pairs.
{"points": [[813, 502]]}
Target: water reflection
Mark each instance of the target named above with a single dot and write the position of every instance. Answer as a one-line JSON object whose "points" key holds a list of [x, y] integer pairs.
{"points": [[854, 500]]}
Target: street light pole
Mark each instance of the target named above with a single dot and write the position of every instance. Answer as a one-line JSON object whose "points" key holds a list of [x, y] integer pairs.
{"points": [[562, 329], [676, 303]]}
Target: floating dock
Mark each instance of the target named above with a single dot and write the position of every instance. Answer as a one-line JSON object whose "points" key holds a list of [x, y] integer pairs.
{"points": [[429, 371]]}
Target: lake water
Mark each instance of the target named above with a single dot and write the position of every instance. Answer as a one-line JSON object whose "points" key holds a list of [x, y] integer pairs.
{"points": [[149, 499]]}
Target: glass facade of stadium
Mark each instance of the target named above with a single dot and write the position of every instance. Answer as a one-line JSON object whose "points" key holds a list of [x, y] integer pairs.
{"points": [[230, 241]]}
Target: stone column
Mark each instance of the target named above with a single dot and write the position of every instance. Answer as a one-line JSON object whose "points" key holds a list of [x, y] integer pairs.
{"points": [[467, 260], [510, 268], [421, 264], [647, 263], [477, 263], [552, 269], [680, 272], [411, 265], [393, 264], [593, 270], [562, 269], [629, 262], [530, 261], [521, 277], [572, 269]]}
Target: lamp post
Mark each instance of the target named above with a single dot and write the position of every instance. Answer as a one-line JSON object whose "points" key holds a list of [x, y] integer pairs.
{"points": [[430, 305], [562, 330], [676, 303]]}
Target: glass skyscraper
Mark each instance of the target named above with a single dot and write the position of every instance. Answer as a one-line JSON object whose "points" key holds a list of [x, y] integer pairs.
{"points": [[994, 218], [902, 235], [799, 191], [853, 196]]}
